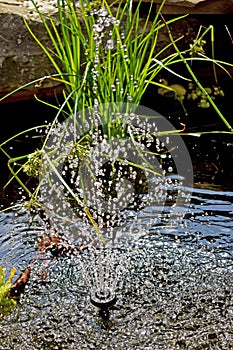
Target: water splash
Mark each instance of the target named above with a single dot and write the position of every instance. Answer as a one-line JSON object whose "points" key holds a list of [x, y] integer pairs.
{"points": [[102, 277], [133, 161]]}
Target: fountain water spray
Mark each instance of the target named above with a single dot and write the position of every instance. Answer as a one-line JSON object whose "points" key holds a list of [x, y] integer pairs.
{"points": [[144, 164], [102, 276], [113, 164]]}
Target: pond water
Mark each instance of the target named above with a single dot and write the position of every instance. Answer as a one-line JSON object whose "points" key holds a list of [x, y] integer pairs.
{"points": [[174, 285], [174, 290]]}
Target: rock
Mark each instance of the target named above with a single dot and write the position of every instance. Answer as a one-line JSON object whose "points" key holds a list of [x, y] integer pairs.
{"points": [[187, 3], [197, 6], [21, 58]]}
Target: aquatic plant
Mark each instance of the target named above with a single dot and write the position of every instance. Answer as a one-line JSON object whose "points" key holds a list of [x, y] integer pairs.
{"points": [[100, 51], [205, 92], [106, 53], [6, 301]]}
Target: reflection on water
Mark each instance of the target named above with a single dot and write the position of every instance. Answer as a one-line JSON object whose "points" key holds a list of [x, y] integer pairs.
{"points": [[175, 290]]}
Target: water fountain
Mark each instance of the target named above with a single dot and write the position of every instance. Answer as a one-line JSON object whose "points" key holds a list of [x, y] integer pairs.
{"points": [[102, 278], [124, 172], [103, 294]]}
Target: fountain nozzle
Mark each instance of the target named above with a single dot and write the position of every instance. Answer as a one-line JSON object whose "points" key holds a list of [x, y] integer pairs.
{"points": [[103, 298]]}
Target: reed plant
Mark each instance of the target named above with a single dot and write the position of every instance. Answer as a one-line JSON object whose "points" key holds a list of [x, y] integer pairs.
{"points": [[105, 53], [100, 51]]}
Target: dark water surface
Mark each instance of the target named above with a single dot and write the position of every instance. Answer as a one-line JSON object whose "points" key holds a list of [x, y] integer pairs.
{"points": [[174, 292]]}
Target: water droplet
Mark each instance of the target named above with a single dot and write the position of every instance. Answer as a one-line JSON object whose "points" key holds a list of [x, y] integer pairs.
{"points": [[110, 44], [98, 27], [102, 12]]}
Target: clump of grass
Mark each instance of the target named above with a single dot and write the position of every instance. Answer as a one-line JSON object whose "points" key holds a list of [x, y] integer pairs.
{"points": [[100, 52]]}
